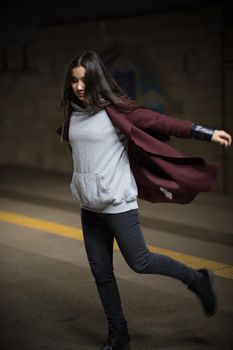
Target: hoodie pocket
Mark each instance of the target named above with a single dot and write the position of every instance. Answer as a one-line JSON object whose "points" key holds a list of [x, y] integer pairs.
{"points": [[90, 190], [74, 190]]}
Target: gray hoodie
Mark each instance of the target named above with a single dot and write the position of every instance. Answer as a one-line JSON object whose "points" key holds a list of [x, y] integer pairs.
{"points": [[102, 178]]}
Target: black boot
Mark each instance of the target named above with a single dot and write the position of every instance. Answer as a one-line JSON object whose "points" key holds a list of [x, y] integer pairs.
{"points": [[118, 339], [203, 288]]}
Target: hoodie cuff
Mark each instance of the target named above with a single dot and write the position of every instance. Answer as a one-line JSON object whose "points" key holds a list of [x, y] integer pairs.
{"points": [[201, 132]]}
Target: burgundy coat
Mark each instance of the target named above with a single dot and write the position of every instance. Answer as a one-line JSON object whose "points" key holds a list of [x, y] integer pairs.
{"points": [[162, 173]]}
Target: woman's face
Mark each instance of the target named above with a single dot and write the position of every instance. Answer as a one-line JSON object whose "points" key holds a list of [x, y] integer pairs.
{"points": [[78, 82]]}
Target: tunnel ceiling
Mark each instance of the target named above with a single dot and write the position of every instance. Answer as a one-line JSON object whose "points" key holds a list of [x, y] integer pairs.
{"points": [[20, 18]]}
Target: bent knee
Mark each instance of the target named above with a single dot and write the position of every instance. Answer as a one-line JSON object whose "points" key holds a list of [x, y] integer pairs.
{"points": [[138, 267]]}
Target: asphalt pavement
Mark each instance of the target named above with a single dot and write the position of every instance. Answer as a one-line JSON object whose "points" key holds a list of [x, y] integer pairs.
{"points": [[48, 297]]}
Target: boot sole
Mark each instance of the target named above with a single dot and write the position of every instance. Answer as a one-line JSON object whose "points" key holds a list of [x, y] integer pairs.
{"points": [[211, 277]]}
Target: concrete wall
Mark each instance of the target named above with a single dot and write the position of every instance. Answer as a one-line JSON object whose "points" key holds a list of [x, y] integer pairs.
{"points": [[182, 49]]}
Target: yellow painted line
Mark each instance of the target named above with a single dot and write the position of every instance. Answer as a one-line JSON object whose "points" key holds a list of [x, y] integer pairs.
{"points": [[220, 269], [41, 225]]}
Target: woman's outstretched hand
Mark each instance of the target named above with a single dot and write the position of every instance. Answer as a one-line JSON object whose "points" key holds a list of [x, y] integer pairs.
{"points": [[221, 137]]}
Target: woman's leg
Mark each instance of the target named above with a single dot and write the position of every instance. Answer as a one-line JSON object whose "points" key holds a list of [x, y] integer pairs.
{"points": [[128, 234], [98, 240]]}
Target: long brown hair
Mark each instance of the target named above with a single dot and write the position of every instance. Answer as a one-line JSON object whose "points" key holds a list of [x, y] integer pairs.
{"points": [[101, 89]]}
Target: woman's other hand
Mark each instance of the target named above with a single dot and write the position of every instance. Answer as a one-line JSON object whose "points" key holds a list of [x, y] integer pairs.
{"points": [[221, 137]]}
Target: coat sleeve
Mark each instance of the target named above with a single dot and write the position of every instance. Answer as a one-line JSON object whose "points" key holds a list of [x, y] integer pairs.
{"points": [[154, 122]]}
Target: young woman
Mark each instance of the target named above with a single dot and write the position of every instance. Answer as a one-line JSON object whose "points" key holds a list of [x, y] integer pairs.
{"points": [[120, 152]]}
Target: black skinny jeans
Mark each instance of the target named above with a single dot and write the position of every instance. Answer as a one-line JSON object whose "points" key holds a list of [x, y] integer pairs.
{"points": [[99, 230]]}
